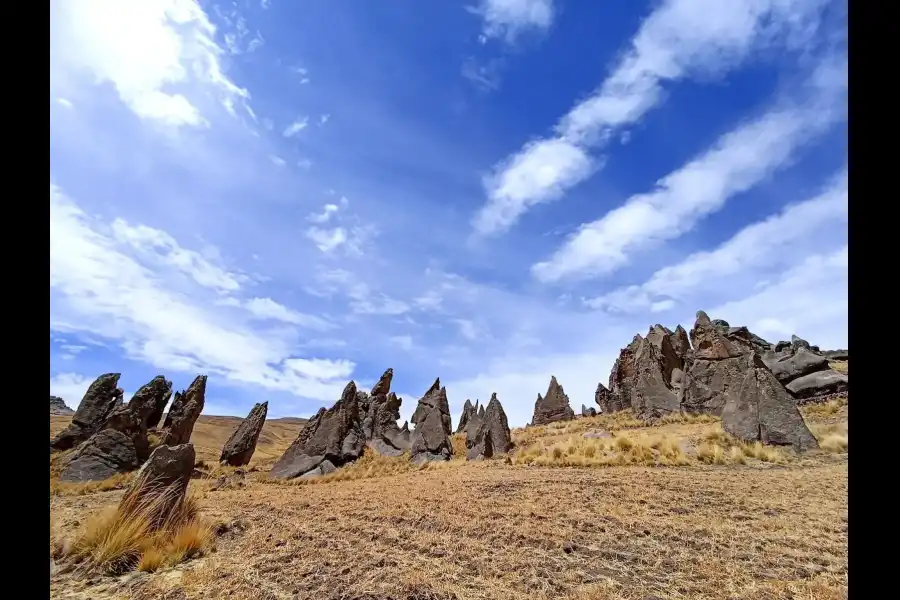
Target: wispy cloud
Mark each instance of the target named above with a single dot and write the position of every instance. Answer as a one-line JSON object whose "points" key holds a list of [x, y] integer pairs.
{"points": [[738, 161], [680, 39], [763, 244], [299, 124], [507, 19]]}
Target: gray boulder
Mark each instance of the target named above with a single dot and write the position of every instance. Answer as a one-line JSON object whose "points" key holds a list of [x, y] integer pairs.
{"points": [[431, 436], [760, 409], [837, 355], [239, 448], [149, 402], [101, 398], [493, 435], [183, 414], [652, 396], [335, 435], [553, 406], [162, 482], [588, 411], [820, 383], [468, 411], [792, 364], [603, 398], [104, 454], [798, 342]]}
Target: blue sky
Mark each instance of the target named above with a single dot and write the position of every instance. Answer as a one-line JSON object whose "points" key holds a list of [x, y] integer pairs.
{"points": [[289, 195]]}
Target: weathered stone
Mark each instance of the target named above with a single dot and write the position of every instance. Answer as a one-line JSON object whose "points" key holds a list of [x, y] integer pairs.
{"points": [[681, 343], [163, 480], [781, 346], [467, 412], [710, 342], [493, 435], [481, 411], [621, 378], [58, 407], [819, 383], [553, 406], [127, 421], [239, 448], [788, 366], [324, 468], [668, 358], [837, 355], [149, 402], [652, 397], [335, 435], [105, 454], [603, 398], [184, 413], [431, 437], [99, 400], [387, 438], [762, 410], [798, 342], [588, 411]]}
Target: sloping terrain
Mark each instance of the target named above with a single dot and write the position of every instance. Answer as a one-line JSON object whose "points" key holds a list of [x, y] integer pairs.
{"points": [[743, 525]]}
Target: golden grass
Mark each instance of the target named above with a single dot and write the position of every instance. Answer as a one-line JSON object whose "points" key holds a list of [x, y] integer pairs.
{"points": [[719, 448], [137, 535], [841, 366], [65, 488], [578, 451], [832, 437], [824, 410]]}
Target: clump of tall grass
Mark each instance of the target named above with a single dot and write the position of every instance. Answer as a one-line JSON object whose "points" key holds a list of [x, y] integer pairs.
{"points": [[718, 448], [578, 451]]}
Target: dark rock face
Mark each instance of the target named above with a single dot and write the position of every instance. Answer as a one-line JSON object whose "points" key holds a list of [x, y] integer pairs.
{"points": [[239, 448], [58, 407], [621, 378], [652, 396], [335, 435], [791, 364], [603, 398], [553, 406], [761, 409], [493, 435], [798, 342], [681, 343], [481, 412], [185, 410], [380, 411], [163, 479], [101, 397], [150, 400], [588, 411], [105, 454], [668, 358], [716, 369], [431, 437], [836, 355], [468, 412], [820, 383]]}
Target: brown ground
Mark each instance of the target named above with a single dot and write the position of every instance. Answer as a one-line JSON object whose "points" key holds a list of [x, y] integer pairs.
{"points": [[510, 531]]}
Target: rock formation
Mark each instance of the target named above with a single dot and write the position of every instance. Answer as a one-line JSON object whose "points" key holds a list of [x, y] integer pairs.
{"points": [[468, 411], [101, 397], [603, 398], [58, 407], [803, 371], [837, 355], [103, 455], [149, 402], [239, 448], [493, 435], [760, 409], [330, 439], [185, 410], [588, 411], [162, 482], [681, 343], [820, 383], [621, 378], [481, 411], [553, 406], [652, 395], [790, 364], [381, 410], [431, 436]]}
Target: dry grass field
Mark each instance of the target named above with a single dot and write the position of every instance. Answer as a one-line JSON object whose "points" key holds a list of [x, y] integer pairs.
{"points": [[677, 510]]}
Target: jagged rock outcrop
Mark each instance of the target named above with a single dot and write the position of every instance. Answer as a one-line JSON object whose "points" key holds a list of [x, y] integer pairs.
{"points": [[799, 342], [481, 412], [468, 412], [792, 364], [668, 358], [717, 367], [431, 436], [805, 372], [162, 482], [621, 378], [382, 410], [652, 396], [761, 409], [681, 344], [103, 455], [603, 398], [334, 435], [185, 411], [58, 407], [493, 435], [149, 402], [239, 448], [552, 406], [588, 411], [101, 398]]}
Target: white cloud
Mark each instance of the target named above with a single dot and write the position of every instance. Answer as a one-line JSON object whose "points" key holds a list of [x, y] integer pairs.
{"points": [[681, 38], [277, 160], [324, 119], [404, 342], [65, 102], [760, 245], [97, 287], [468, 329], [296, 127], [738, 161], [144, 49], [507, 19], [305, 164], [327, 211], [268, 309], [70, 387], [327, 240]]}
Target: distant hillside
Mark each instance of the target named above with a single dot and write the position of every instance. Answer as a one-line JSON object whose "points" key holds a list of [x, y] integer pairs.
{"points": [[58, 407], [211, 433]]}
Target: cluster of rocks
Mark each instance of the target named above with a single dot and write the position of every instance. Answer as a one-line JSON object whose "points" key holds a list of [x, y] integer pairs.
{"points": [[552, 406], [339, 435], [110, 437], [58, 407]]}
